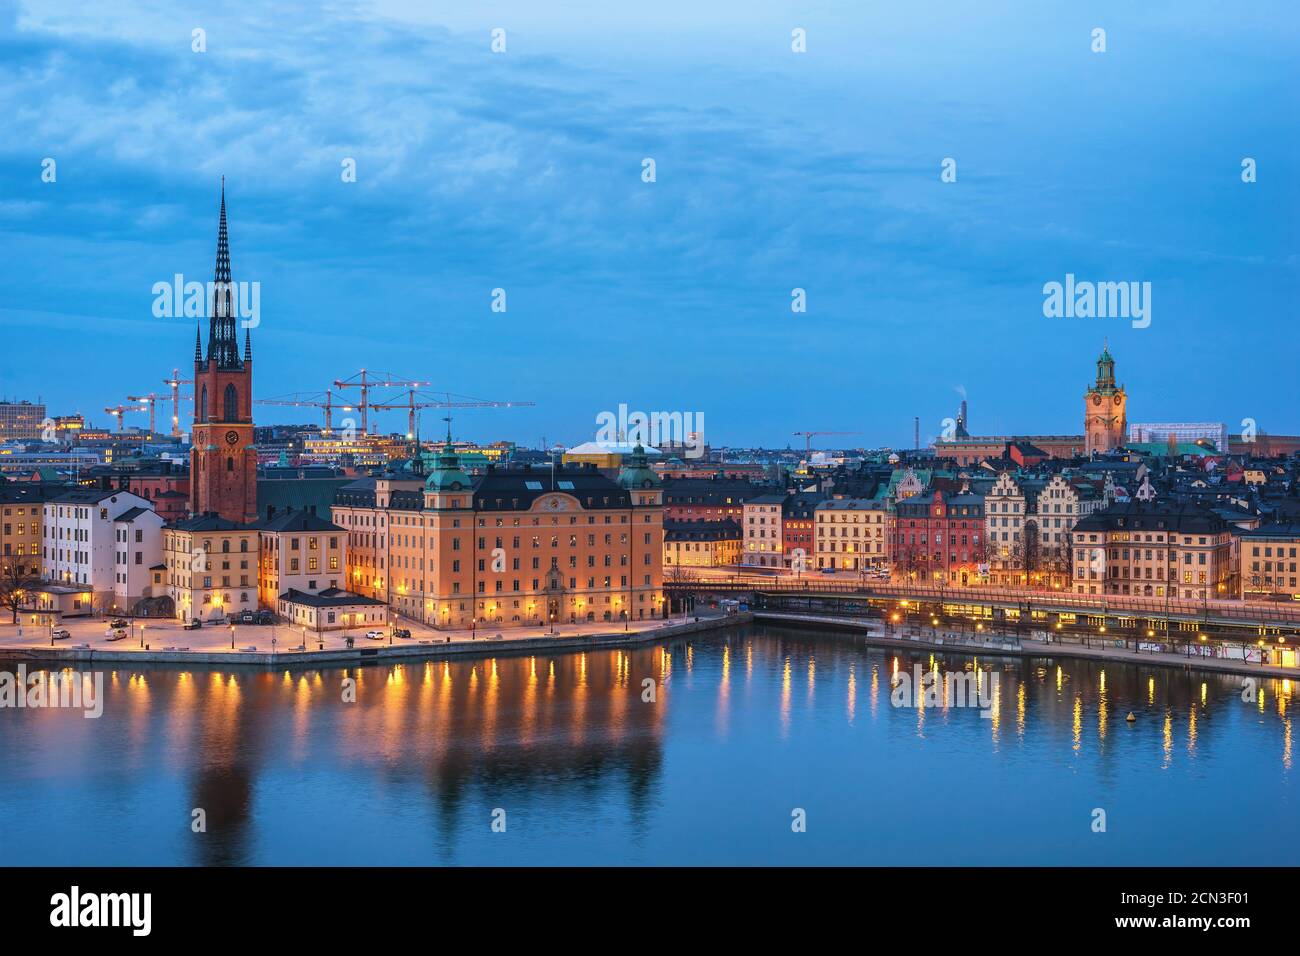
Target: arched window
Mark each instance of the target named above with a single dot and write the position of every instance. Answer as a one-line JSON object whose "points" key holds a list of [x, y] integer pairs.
{"points": [[203, 405], [230, 412], [230, 464]]}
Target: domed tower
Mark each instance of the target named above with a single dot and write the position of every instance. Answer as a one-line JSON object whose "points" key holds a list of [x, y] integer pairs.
{"points": [[645, 491], [1105, 410], [449, 518]]}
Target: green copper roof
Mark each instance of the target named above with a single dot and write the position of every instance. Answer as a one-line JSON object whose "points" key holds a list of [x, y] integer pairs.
{"points": [[635, 472], [447, 474]]}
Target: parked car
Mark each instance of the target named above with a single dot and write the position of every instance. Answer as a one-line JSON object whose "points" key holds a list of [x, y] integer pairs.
{"points": [[265, 617], [193, 625], [116, 634], [119, 622], [402, 633], [247, 617], [375, 635], [60, 634], [826, 570]]}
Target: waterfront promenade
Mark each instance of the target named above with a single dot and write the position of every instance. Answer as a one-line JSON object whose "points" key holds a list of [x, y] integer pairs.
{"points": [[164, 641]]}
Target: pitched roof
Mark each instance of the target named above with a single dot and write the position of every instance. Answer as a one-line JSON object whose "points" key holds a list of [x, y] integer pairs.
{"points": [[330, 597], [209, 522], [303, 521]]}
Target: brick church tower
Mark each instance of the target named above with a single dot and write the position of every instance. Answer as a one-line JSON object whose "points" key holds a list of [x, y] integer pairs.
{"points": [[223, 464], [1105, 414]]}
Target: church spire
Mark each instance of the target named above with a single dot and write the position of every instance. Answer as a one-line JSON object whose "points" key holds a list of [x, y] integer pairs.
{"points": [[248, 346], [198, 345], [223, 343]]}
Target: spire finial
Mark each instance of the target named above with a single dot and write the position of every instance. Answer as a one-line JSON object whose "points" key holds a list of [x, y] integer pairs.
{"points": [[198, 344], [223, 342]]}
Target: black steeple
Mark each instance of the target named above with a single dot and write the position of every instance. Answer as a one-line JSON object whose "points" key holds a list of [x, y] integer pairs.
{"points": [[223, 341], [198, 346]]}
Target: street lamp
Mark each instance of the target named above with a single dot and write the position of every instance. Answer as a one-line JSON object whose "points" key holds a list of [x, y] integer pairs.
{"points": [[232, 637]]}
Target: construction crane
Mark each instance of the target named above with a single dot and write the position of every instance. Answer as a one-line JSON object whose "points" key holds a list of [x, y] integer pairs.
{"points": [[427, 400], [309, 400], [119, 412], [360, 381], [150, 402], [175, 383], [808, 437]]}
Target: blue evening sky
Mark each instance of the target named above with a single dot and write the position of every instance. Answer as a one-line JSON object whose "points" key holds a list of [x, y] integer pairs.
{"points": [[775, 170]]}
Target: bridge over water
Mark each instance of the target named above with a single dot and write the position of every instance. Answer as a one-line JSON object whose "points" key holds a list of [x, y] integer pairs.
{"points": [[1276, 624]]}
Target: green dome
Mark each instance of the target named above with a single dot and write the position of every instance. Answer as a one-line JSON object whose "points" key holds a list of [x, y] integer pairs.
{"points": [[447, 474], [636, 473]]}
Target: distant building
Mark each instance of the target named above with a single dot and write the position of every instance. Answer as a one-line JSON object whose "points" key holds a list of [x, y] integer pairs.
{"points": [[15, 462], [607, 456], [1213, 433], [21, 421]]}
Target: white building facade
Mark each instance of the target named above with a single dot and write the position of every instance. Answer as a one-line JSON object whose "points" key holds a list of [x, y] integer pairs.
{"points": [[79, 540]]}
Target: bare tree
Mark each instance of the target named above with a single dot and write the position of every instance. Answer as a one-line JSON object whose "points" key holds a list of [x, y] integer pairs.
{"points": [[15, 582]]}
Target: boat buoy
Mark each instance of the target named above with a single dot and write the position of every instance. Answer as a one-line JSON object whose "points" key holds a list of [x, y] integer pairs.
{"points": [[1130, 718]]}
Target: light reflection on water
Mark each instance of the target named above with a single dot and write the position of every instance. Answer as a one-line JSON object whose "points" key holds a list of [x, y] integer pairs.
{"points": [[589, 771]]}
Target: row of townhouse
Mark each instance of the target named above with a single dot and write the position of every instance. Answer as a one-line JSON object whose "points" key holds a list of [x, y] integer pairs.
{"points": [[216, 568], [1028, 527], [779, 530], [1062, 531], [86, 551]]}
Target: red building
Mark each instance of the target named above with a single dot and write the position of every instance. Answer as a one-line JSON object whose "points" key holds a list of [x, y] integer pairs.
{"points": [[939, 539], [798, 521], [223, 462]]}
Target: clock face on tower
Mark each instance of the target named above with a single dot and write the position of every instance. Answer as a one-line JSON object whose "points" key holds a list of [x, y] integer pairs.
{"points": [[232, 437], [1096, 399]]}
